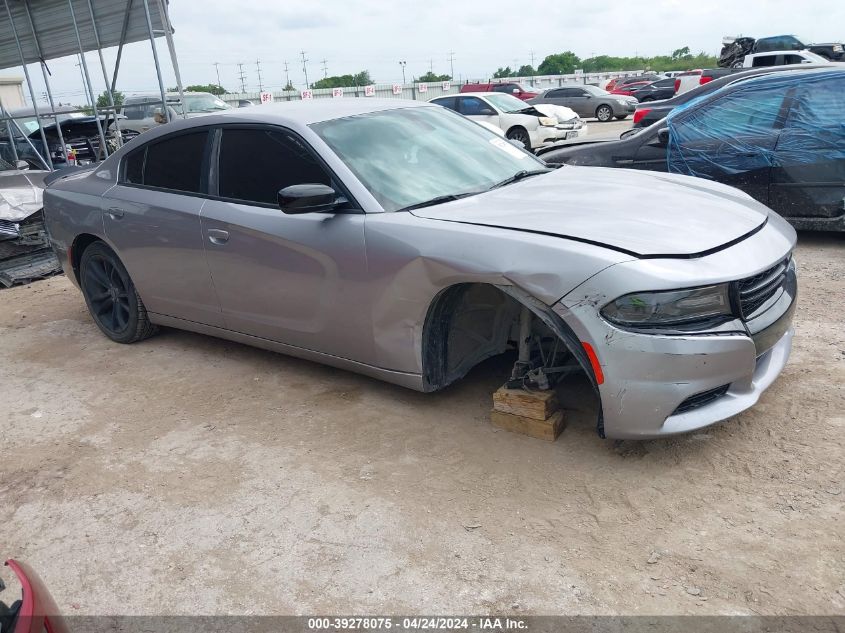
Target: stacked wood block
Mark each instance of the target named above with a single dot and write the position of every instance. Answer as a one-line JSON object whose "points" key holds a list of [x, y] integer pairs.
{"points": [[534, 413]]}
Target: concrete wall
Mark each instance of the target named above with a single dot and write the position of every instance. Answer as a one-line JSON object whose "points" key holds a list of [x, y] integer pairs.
{"points": [[11, 92]]}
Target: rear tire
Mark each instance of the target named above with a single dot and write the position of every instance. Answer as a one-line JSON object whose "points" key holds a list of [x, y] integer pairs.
{"points": [[604, 113], [111, 296]]}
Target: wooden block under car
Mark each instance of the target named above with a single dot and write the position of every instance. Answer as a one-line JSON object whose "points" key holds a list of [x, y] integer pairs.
{"points": [[538, 405], [547, 429]]}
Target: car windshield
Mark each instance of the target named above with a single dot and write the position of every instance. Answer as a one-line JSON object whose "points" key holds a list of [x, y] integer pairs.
{"points": [[596, 91], [505, 103], [412, 156], [30, 124], [205, 103]]}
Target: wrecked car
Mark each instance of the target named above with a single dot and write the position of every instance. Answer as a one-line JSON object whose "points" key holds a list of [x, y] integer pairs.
{"points": [[520, 122], [778, 137], [25, 253], [404, 242]]}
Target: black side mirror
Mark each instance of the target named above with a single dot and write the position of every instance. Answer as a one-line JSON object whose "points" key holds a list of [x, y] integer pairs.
{"points": [[663, 136], [307, 198]]}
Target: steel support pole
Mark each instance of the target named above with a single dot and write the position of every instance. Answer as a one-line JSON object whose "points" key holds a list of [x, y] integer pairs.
{"points": [[103, 143], [31, 91], [26, 138], [155, 59], [105, 73], [9, 132], [168, 35], [45, 74], [120, 45]]}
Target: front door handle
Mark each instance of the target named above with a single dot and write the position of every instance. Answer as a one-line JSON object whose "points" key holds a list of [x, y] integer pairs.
{"points": [[218, 236], [115, 213]]}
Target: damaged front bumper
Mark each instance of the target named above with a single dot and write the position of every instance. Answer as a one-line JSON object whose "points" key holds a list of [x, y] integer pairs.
{"points": [[25, 252]]}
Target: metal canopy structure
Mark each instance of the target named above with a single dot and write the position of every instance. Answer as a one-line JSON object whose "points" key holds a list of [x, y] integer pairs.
{"points": [[34, 31], [56, 35]]}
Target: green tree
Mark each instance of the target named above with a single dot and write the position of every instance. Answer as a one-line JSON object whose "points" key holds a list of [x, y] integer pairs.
{"points": [[212, 88], [559, 64], [526, 70], [289, 86], [681, 53], [503, 72], [430, 77], [103, 99], [344, 81]]}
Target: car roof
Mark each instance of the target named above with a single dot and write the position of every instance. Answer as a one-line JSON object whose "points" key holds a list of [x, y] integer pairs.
{"points": [[485, 93]]}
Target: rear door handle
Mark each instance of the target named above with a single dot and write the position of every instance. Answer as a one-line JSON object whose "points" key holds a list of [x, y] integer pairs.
{"points": [[218, 236], [115, 213]]}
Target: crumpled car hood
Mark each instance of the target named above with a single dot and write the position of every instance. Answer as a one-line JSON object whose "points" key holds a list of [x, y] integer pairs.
{"points": [[562, 113], [646, 214], [20, 194]]}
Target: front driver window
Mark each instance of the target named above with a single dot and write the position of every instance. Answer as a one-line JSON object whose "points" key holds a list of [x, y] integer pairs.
{"points": [[256, 163]]}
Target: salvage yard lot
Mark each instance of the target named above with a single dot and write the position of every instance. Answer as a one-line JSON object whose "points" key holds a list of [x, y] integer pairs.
{"points": [[191, 475]]}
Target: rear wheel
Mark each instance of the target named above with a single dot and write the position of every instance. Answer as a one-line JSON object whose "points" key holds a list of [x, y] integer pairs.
{"points": [[520, 134], [604, 113], [111, 296]]}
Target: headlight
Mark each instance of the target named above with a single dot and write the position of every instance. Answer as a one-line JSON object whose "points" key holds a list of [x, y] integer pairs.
{"points": [[622, 101], [672, 308], [545, 120]]}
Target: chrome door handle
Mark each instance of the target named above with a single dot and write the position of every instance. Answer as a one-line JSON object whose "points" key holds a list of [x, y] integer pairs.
{"points": [[218, 236], [115, 213]]}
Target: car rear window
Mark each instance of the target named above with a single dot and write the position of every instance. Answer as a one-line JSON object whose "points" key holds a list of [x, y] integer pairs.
{"points": [[173, 163]]}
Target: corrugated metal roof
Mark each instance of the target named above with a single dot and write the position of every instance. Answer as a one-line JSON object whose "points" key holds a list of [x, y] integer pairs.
{"points": [[55, 29]]}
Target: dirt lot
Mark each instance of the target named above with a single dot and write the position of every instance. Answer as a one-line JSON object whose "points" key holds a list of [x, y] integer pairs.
{"points": [[191, 475]]}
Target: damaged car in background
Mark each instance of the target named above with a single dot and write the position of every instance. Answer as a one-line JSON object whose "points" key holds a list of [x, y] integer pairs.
{"points": [[25, 253], [400, 240]]}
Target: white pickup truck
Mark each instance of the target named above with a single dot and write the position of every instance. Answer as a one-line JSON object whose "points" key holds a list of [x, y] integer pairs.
{"points": [[782, 58]]}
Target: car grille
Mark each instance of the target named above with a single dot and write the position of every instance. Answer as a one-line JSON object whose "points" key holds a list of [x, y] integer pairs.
{"points": [[754, 291], [701, 399], [8, 229]]}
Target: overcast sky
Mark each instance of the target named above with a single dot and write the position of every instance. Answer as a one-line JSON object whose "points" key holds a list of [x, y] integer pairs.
{"points": [[483, 34]]}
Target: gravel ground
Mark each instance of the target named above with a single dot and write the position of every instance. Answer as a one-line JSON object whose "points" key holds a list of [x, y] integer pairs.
{"points": [[189, 475]]}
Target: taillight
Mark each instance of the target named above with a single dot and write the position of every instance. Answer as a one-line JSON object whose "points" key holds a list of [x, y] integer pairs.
{"points": [[704, 79], [639, 114], [677, 85]]}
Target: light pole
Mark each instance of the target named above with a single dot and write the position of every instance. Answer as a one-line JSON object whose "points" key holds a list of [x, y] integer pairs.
{"points": [[403, 64]]}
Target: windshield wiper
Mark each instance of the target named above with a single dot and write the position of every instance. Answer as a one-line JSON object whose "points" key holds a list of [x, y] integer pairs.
{"points": [[525, 173], [437, 200]]}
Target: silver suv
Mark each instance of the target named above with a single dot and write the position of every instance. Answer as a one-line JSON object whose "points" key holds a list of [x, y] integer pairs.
{"points": [[144, 111]]}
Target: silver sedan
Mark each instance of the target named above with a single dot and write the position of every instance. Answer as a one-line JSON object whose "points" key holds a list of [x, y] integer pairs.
{"points": [[402, 241]]}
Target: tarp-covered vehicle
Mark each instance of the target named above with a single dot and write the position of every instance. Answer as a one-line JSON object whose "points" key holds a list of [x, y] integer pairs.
{"points": [[778, 137]]}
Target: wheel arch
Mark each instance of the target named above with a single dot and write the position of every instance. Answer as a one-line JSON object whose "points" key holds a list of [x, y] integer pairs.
{"points": [[78, 246], [440, 370]]}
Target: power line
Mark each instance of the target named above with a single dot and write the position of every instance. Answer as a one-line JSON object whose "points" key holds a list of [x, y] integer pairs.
{"points": [[258, 66], [304, 68]]}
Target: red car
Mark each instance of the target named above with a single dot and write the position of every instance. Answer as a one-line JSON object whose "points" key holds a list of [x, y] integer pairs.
{"points": [[510, 87], [36, 611], [629, 89]]}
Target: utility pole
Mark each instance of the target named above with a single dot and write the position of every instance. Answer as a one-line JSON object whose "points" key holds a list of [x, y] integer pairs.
{"points": [[532, 60], [431, 66], [287, 76], [304, 68], [242, 76], [258, 67], [403, 64], [452, 64], [325, 68], [217, 68], [82, 75]]}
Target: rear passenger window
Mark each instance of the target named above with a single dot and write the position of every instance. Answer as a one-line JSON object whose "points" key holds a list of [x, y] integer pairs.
{"points": [[174, 163], [256, 163], [447, 102], [764, 60]]}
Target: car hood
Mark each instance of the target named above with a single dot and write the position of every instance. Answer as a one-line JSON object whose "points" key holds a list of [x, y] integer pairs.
{"points": [[562, 113], [644, 214]]}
